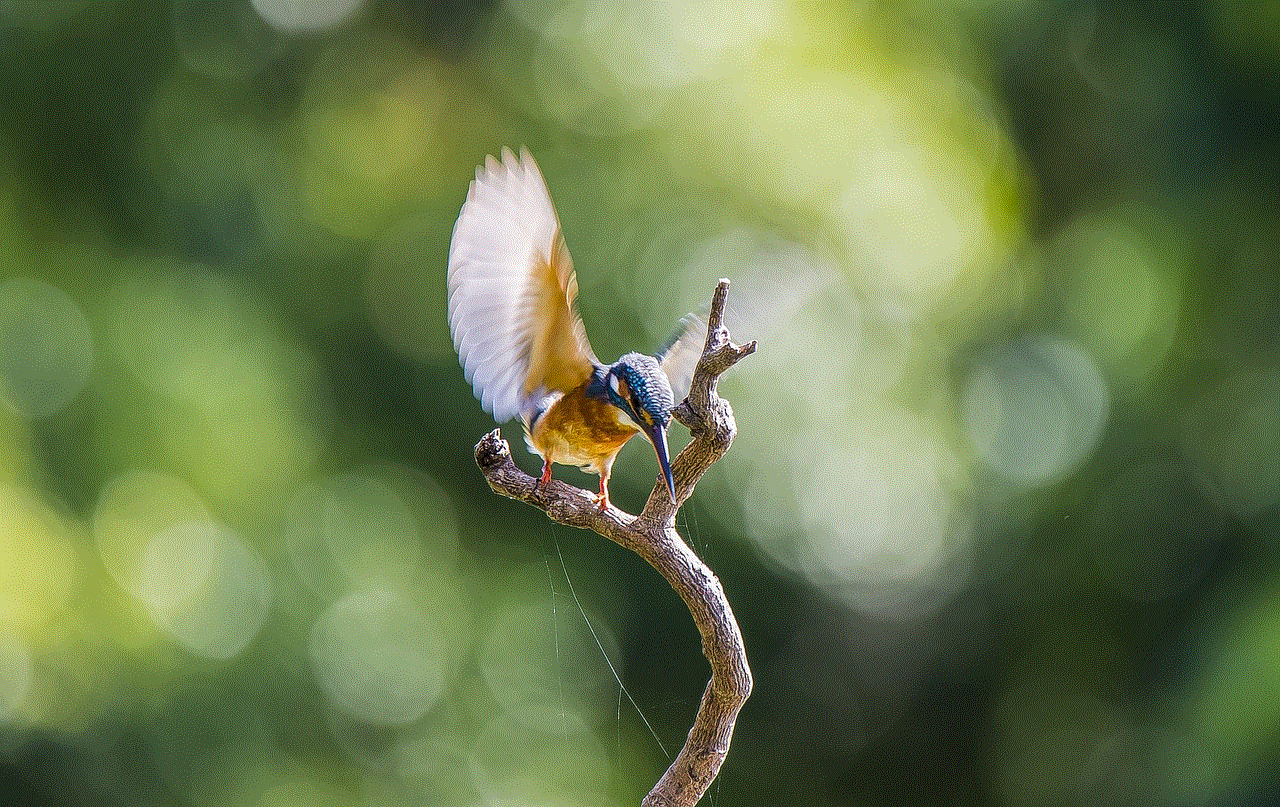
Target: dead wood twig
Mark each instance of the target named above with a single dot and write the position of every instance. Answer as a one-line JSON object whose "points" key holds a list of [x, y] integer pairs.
{"points": [[653, 536]]}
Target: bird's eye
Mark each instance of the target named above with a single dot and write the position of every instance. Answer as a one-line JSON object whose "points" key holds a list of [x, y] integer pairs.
{"points": [[644, 413]]}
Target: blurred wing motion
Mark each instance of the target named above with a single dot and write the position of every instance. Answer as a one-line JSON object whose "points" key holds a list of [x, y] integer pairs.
{"points": [[513, 292], [680, 354]]}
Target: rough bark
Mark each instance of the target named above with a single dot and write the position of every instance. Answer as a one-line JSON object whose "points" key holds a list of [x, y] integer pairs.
{"points": [[653, 536]]}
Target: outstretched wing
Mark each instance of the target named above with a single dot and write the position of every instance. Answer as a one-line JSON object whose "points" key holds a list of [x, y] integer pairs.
{"points": [[513, 292], [680, 354]]}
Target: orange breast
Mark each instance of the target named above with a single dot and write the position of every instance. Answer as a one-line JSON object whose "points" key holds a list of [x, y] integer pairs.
{"points": [[582, 431]]}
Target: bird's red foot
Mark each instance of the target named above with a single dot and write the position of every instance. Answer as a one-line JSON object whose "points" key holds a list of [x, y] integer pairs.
{"points": [[546, 474], [602, 498]]}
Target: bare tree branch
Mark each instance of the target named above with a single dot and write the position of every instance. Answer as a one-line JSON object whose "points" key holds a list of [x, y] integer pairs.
{"points": [[653, 536]]}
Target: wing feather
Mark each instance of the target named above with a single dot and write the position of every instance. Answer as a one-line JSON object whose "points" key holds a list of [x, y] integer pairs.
{"points": [[512, 291], [679, 356]]}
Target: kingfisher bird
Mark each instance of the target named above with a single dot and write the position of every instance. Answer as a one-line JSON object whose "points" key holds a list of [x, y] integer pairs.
{"points": [[513, 312]]}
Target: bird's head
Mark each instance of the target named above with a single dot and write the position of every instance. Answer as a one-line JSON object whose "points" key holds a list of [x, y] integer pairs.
{"points": [[637, 385]]}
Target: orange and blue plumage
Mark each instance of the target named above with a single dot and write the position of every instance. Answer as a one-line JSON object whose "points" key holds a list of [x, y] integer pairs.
{"points": [[514, 317]]}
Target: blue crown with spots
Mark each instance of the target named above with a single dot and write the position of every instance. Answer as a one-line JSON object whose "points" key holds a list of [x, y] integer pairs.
{"points": [[650, 389]]}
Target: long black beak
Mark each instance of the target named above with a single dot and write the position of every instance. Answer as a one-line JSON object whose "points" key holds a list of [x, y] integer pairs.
{"points": [[658, 436]]}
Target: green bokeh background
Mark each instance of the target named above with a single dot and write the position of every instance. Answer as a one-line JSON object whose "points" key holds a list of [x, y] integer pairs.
{"points": [[1001, 522]]}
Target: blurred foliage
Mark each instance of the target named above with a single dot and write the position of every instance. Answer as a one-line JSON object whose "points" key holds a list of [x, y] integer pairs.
{"points": [[1001, 524]]}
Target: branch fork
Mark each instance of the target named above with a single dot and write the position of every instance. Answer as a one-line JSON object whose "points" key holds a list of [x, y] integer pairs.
{"points": [[653, 536]]}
